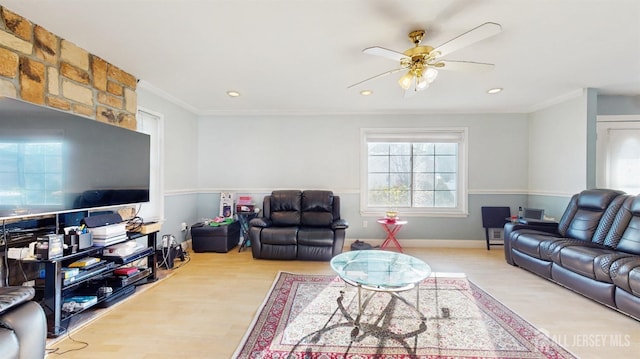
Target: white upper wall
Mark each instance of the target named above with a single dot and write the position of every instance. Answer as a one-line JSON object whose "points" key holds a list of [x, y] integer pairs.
{"points": [[180, 145], [558, 148], [267, 152]]}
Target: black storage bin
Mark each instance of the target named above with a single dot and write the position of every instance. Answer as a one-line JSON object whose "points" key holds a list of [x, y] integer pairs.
{"points": [[221, 239]]}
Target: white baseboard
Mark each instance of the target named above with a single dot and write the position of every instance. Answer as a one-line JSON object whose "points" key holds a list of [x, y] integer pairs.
{"points": [[425, 243]]}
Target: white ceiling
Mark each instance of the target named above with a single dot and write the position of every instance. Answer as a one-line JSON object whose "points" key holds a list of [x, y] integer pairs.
{"points": [[298, 57]]}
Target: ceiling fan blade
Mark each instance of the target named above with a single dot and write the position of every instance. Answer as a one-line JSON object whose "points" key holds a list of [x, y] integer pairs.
{"points": [[381, 51], [472, 36], [465, 66], [377, 76]]}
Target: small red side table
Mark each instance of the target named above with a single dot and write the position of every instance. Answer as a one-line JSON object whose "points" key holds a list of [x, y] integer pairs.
{"points": [[391, 227]]}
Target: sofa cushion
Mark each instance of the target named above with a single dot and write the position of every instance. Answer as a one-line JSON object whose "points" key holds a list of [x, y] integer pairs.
{"points": [[530, 242], [620, 223], [279, 235], [604, 262], [608, 219], [630, 239], [285, 208], [273, 251], [583, 224], [582, 218], [621, 274], [597, 199], [634, 281], [582, 260], [317, 208], [551, 250], [321, 237]]}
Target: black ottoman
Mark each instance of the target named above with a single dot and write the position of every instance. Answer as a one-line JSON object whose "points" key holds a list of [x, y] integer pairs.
{"points": [[221, 239]]}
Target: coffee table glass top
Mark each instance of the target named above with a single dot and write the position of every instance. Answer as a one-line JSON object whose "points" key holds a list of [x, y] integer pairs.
{"points": [[377, 269]]}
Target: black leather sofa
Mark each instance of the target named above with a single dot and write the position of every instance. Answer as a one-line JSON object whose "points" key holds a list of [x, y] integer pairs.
{"points": [[303, 225], [23, 325], [593, 250]]}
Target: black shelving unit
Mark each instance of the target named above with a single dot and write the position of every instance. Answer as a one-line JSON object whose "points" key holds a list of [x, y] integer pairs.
{"points": [[55, 289]]}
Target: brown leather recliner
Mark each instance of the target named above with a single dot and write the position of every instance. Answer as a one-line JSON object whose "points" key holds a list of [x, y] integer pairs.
{"points": [[303, 225]]}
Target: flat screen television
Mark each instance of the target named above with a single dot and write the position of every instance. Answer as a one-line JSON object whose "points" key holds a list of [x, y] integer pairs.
{"points": [[53, 161]]}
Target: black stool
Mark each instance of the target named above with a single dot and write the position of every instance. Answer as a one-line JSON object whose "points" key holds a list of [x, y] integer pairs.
{"points": [[221, 239], [494, 217]]}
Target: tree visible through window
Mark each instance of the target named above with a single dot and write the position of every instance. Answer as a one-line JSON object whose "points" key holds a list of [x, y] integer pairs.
{"points": [[421, 171]]}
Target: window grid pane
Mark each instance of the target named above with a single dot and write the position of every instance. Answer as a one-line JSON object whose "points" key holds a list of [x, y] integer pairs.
{"points": [[34, 166], [412, 175]]}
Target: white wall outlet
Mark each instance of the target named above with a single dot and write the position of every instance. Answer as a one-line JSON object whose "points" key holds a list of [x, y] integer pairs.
{"points": [[183, 226]]}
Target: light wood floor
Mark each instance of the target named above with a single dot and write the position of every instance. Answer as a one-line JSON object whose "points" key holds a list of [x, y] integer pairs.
{"points": [[204, 308]]}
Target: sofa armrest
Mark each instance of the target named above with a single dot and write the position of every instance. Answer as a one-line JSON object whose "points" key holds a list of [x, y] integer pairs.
{"points": [[11, 297], [340, 224], [509, 228], [260, 222], [551, 228], [29, 324]]}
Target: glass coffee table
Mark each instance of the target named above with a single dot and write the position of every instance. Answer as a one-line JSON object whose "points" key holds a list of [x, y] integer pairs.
{"points": [[379, 271]]}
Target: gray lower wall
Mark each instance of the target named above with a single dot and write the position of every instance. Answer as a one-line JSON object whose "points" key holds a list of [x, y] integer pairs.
{"points": [[195, 207], [554, 206], [469, 228]]}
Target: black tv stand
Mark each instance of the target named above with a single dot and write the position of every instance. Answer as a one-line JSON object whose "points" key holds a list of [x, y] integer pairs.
{"points": [[54, 289]]}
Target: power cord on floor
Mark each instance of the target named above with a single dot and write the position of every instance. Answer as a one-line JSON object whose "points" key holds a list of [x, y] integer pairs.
{"points": [[65, 330]]}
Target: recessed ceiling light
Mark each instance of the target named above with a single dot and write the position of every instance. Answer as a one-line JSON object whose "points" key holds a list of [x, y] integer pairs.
{"points": [[233, 93], [366, 92], [494, 90]]}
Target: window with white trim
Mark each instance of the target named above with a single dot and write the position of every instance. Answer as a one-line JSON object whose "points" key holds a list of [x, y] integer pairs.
{"points": [[416, 171], [618, 153]]}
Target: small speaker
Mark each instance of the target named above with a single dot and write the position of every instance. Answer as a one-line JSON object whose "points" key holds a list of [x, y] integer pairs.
{"points": [[102, 220]]}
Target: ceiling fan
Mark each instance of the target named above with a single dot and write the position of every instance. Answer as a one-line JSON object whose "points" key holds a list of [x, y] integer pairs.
{"points": [[423, 62]]}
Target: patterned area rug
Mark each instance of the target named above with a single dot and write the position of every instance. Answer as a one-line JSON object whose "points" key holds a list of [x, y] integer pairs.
{"points": [[312, 316]]}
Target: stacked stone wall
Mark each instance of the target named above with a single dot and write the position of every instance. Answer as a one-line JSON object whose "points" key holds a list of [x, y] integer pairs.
{"points": [[40, 67]]}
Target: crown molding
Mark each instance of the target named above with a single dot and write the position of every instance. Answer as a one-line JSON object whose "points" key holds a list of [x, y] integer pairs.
{"points": [[556, 100], [167, 96]]}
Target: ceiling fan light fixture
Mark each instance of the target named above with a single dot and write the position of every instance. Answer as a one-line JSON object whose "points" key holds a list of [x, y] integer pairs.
{"points": [[494, 90], [406, 80], [431, 74], [422, 61], [421, 83], [233, 93], [366, 92]]}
